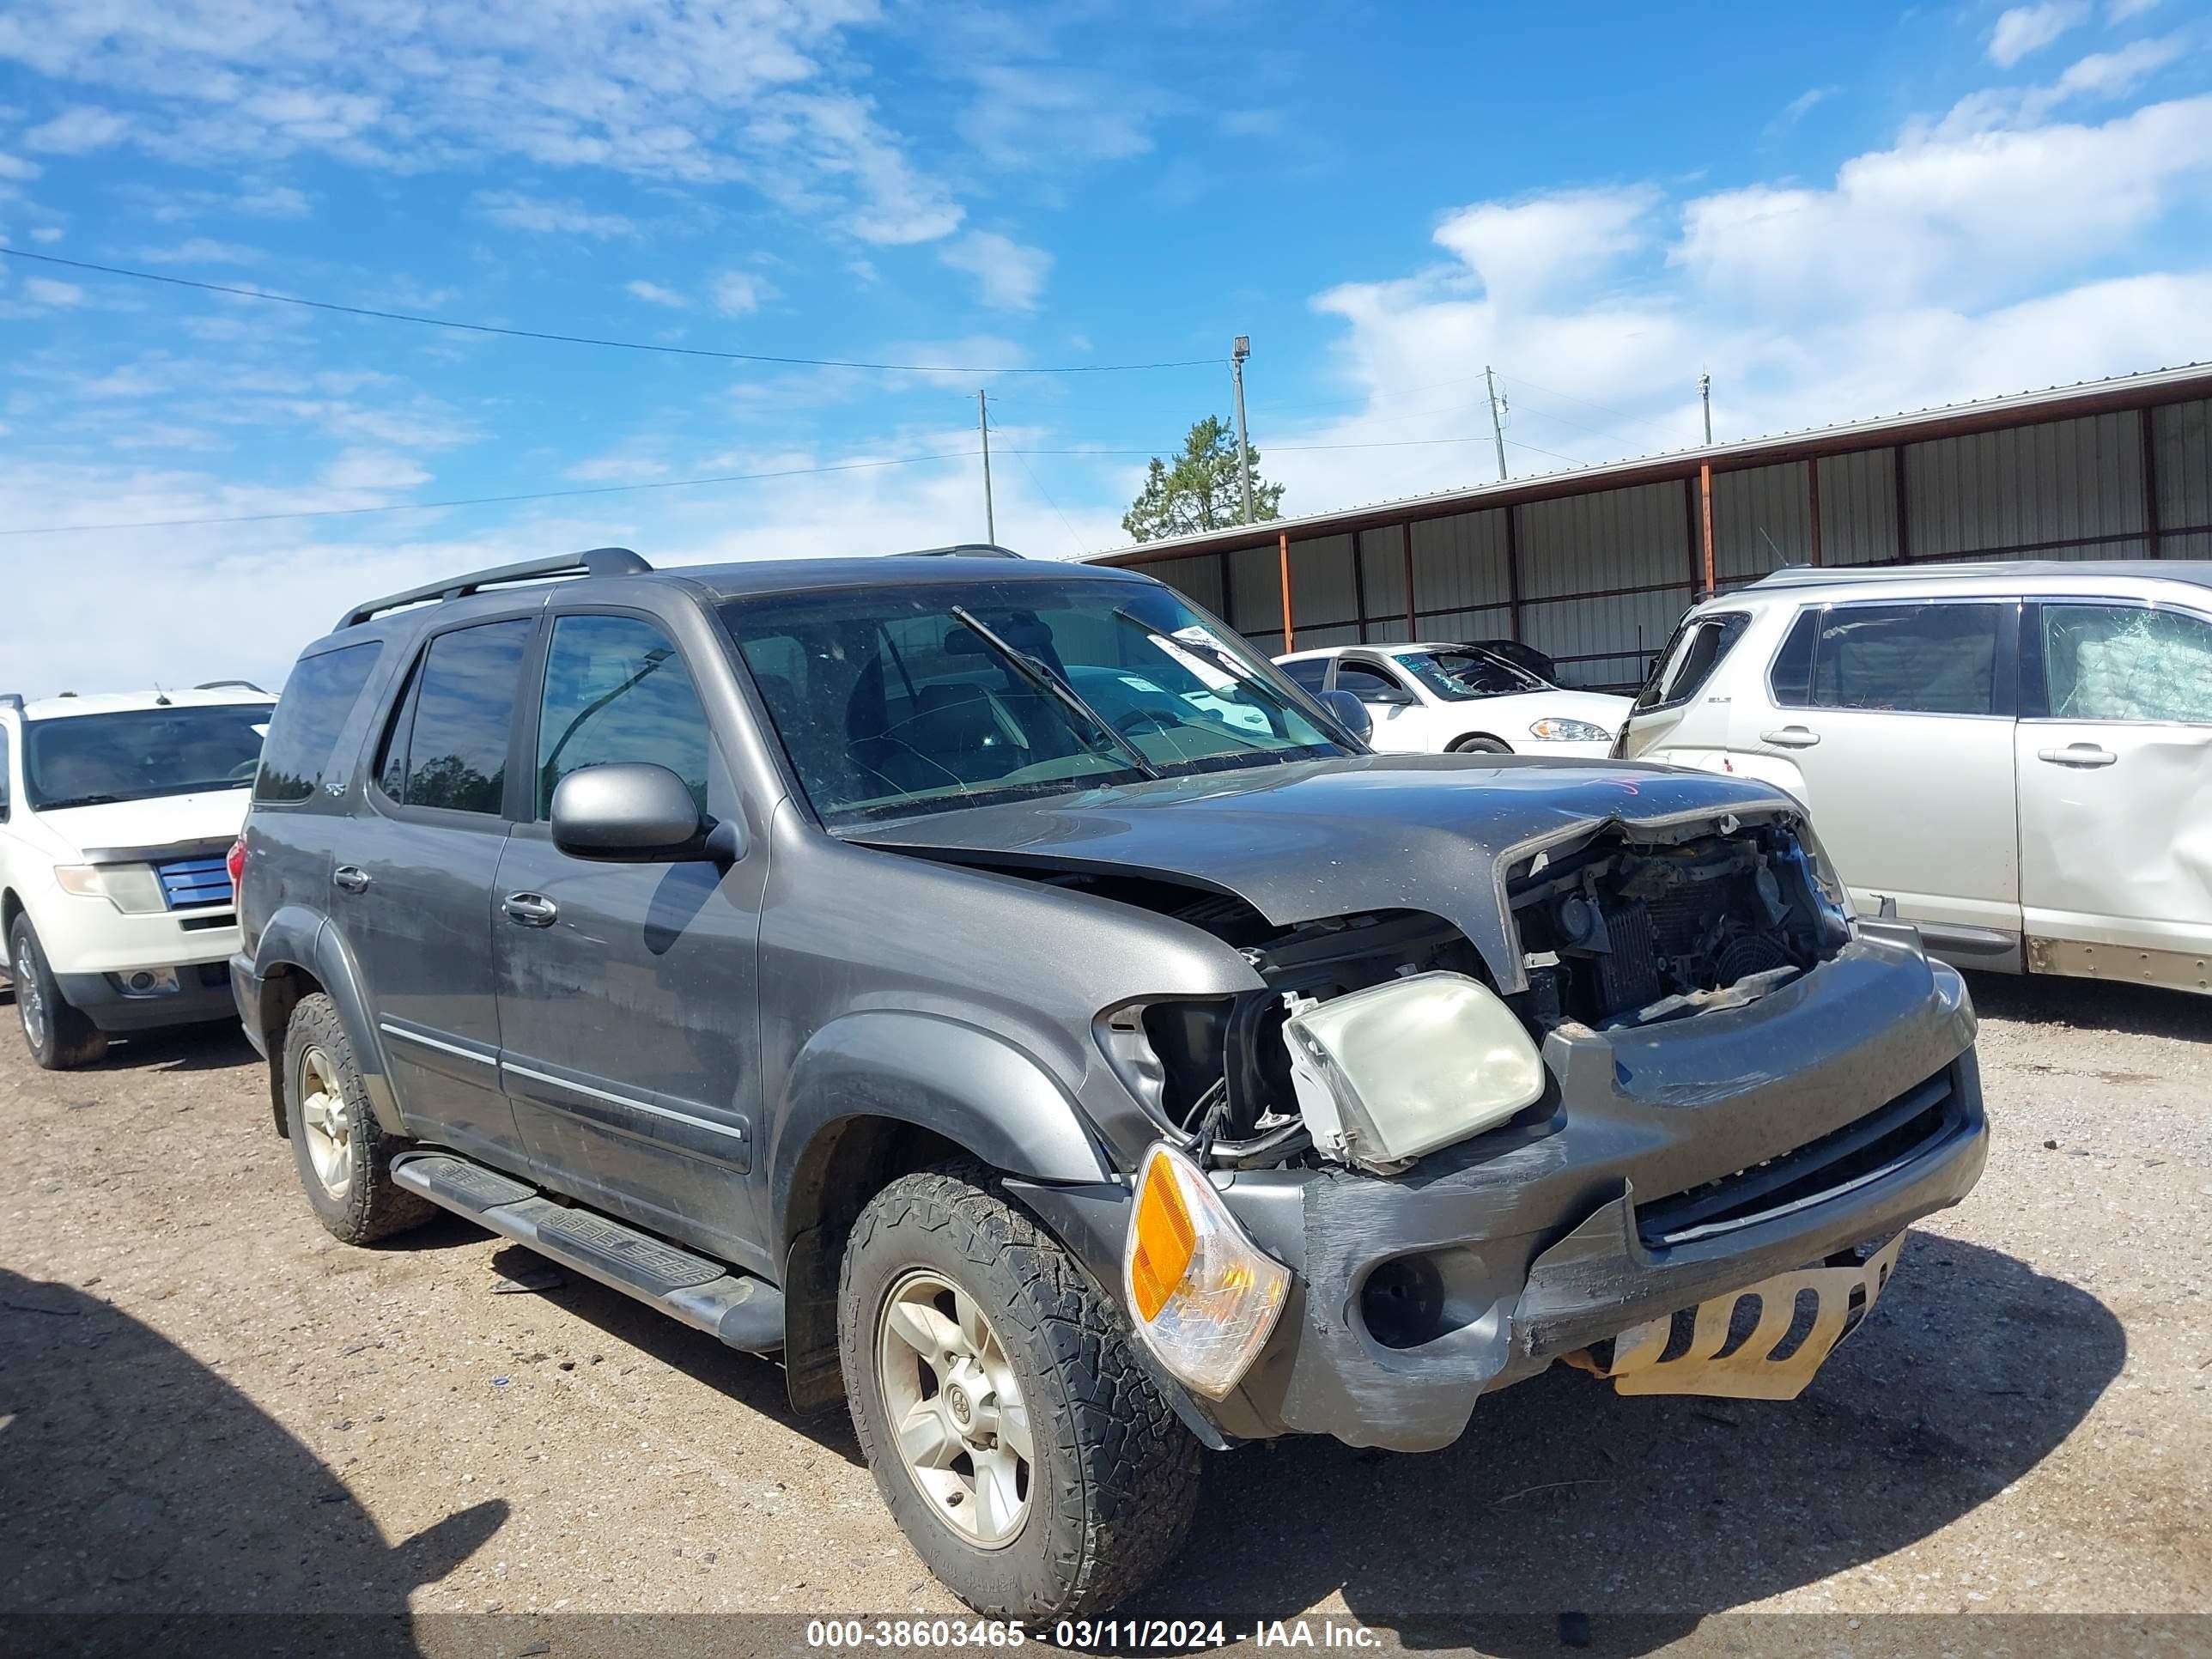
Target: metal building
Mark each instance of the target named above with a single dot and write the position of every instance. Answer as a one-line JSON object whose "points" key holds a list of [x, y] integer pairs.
{"points": [[1593, 566]]}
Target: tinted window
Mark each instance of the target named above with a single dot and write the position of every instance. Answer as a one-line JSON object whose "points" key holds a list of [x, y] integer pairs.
{"points": [[310, 715], [1690, 658], [141, 754], [616, 690], [448, 747], [2113, 662], [1309, 672], [1363, 681], [1790, 679], [1930, 658], [5, 789]]}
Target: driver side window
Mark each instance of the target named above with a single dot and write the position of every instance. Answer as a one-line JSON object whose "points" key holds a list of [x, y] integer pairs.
{"points": [[616, 690], [1364, 682]]}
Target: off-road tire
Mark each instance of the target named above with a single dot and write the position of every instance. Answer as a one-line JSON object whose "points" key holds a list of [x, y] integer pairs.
{"points": [[372, 1205], [1114, 1480], [67, 1037], [1480, 746]]}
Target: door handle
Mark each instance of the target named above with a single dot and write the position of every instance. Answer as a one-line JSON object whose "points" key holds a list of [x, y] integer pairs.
{"points": [[351, 877], [2077, 754], [530, 910], [1791, 737]]}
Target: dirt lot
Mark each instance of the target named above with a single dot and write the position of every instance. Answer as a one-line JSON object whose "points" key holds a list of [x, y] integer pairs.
{"points": [[207, 1404]]}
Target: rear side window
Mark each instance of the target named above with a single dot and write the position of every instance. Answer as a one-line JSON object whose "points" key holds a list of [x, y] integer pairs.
{"points": [[1696, 649], [298, 756], [448, 746], [1307, 673], [2111, 662], [6, 792], [1930, 658], [616, 690]]}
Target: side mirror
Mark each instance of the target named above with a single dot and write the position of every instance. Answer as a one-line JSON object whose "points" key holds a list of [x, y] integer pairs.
{"points": [[636, 813], [1349, 712]]}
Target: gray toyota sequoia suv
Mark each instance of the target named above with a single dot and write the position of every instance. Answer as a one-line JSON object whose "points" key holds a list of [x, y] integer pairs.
{"points": [[992, 986]]}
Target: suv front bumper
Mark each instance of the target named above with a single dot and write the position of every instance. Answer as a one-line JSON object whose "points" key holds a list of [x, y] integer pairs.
{"points": [[1527, 1252], [110, 1001]]}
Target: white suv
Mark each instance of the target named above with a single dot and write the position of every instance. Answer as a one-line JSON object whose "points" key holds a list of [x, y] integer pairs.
{"points": [[116, 816], [2017, 757], [1460, 699]]}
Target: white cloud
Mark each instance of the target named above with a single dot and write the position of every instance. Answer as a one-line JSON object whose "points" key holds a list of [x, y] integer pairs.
{"points": [[654, 295], [15, 168], [201, 251], [1804, 104], [75, 131], [46, 234], [1569, 236], [1035, 117], [518, 212], [44, 290], [2024, 29], [1007, 275], [2118, 11], [1255, 123], [274, 201], [740, 294]]}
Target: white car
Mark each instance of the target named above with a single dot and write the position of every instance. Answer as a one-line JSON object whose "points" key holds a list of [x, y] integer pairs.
{"points": [[2017, 757], [116, 816], [1460, 699]]}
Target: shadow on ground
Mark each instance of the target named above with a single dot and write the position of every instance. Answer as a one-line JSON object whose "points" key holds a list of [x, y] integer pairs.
{"points": [[149, 1507], [1637, 1518], [2091, 1005]]}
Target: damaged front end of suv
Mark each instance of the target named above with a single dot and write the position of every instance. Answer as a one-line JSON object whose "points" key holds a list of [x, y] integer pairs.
{"points": [[1614, 1079]]}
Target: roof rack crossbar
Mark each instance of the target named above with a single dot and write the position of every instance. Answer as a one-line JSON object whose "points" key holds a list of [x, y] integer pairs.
{"points": [[227, 685], [960, 551], [597, 561]]}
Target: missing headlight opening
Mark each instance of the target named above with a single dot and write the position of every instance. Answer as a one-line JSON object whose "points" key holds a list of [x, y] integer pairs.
{"points": [[1619, 926], [1624, 929]]}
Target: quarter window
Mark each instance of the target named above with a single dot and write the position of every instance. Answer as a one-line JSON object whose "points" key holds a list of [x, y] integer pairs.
{"points": [[1930, 659], [1310, 673], [303, 734], [1690, 658], [616, 690], [2111, 662], [448, 747]]}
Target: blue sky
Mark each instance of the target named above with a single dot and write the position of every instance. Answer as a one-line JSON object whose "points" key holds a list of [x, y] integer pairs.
{"points": [[1837, 211]]}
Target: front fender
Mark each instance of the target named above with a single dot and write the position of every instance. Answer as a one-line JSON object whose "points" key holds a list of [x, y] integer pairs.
{"points": [[296, 938], [957, 1080]]}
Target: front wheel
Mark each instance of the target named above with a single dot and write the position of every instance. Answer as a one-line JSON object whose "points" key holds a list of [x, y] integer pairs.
{"points": [[1480, 746], [61, 1037], [1019, 1444]]}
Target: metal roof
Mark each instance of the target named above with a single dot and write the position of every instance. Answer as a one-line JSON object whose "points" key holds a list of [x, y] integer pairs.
{"points": [[2124, 391]]}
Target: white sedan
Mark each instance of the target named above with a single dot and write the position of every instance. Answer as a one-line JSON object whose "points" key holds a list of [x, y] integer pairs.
{"points": [[1460, 699]]}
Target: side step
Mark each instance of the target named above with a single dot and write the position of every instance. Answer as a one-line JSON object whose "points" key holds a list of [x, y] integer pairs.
{"points": [[744, 1312]]}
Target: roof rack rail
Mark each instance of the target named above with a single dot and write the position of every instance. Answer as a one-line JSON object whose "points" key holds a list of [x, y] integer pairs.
{"points": [[598, 562], [227, 685], [960, 551]]}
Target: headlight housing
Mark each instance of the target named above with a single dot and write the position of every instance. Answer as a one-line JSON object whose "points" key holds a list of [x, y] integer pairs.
{"points": [[1203, 1296], [1553, 729], [133, 889], [1387, 1073]]}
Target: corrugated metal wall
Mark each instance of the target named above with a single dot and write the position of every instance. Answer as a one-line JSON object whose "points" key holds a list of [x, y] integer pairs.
{"points": [[1603, 577]]}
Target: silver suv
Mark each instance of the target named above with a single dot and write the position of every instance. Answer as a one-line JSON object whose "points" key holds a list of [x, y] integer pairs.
{"points": [[991, 987]]}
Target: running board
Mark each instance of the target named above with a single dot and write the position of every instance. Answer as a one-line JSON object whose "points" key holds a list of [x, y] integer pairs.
{"points": [[744, 1312]]}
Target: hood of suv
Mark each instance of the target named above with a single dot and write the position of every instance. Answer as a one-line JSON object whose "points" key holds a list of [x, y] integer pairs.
{"points": [[165, 820], [1313, 840]]}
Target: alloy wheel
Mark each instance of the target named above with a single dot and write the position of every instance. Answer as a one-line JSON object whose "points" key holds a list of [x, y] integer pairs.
{"points": [[326, 1121], [955, 1409]]}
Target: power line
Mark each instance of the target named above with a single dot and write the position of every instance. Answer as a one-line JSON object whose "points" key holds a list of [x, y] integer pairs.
{"points": [[487, 501], [585, 339]]}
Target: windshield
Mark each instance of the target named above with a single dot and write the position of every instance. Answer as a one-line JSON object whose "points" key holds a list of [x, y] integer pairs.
{"points": [[88, 760], [1462, 675], [890, 703]]}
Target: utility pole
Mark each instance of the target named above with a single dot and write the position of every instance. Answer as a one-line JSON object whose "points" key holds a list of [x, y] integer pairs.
{"points": [[1705, 396], [983, 425], [1237, 354], [1497, 426]]}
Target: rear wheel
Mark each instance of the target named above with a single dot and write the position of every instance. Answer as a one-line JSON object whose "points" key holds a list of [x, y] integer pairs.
{"points": [[343, 1158], [1019, 1444], [1480, 746], [61, 1037]]}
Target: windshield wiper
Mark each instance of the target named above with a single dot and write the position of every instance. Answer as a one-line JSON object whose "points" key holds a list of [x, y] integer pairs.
{"points": [[83, 800], [1049, 683]]}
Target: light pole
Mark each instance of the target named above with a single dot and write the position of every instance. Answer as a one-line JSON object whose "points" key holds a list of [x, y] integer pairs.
{"points": [[1237, 354]]}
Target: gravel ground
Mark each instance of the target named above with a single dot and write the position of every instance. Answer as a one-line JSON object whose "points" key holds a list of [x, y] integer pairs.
{"points": [[206, 1404]]}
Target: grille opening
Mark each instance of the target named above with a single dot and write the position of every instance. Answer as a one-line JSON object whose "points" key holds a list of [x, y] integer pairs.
{"points": [[1904, 1129]]}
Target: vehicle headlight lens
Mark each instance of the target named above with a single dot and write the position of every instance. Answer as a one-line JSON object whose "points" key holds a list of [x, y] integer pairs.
{"points": [[1551, 730], [133, 889], [1387, 1073], [1204, 1296]]}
